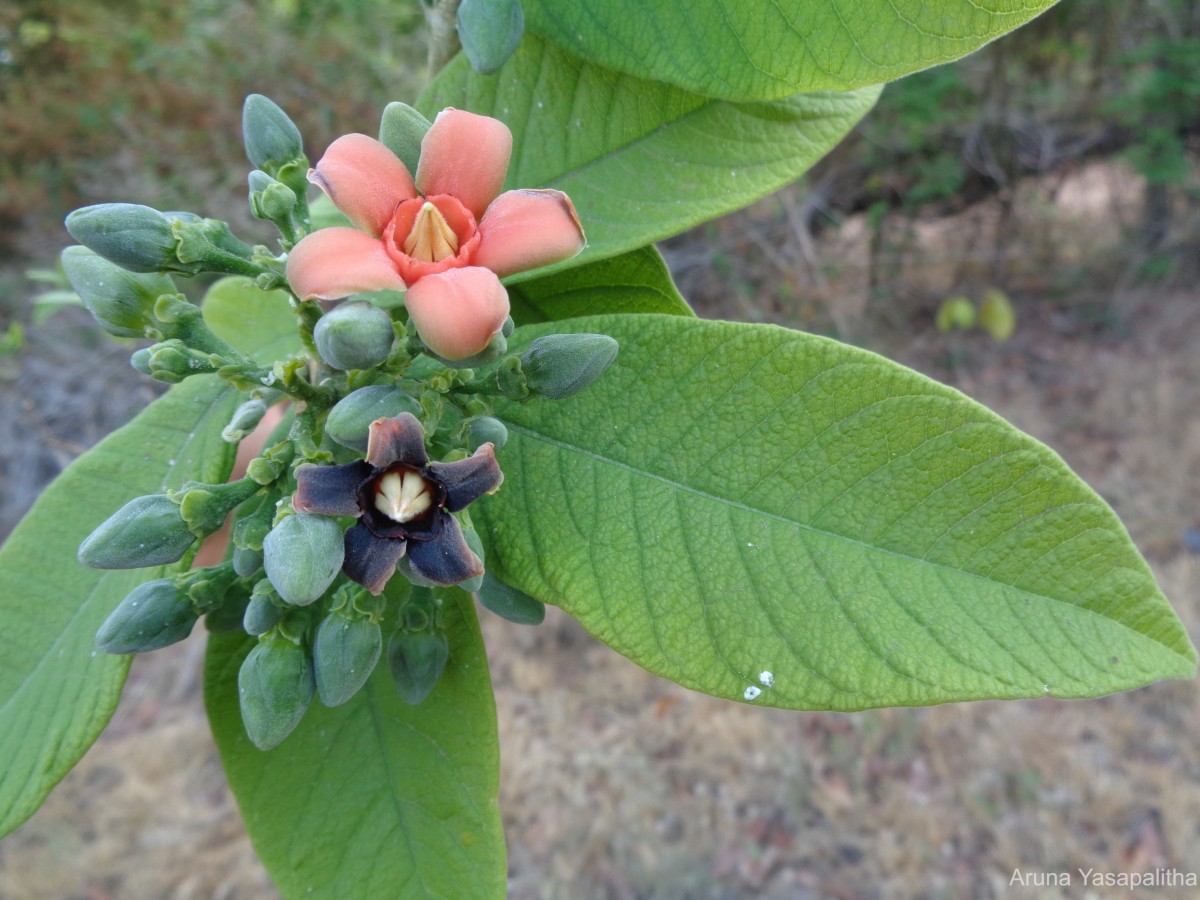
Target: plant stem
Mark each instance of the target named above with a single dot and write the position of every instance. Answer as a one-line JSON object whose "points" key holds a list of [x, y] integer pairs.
{"points": [[442, 17]]}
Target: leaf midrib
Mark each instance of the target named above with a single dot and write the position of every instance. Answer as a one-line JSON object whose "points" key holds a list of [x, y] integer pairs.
{"points": [[939, 567]]}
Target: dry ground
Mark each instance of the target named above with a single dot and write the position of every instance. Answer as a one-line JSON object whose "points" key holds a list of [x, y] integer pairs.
{"points": [[616, 784]]}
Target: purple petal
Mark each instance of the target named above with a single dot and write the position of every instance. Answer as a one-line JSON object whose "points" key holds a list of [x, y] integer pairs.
{"points": [[469, 479], [371, 560], [398, 440], [329, 490], [446, 559]]}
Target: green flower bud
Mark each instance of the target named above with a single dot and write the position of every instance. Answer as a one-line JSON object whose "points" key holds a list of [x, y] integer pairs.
{"points": [[509, 603], [345, 652], [155, 614], [559, 365], [416, 661], [272, 464], [120, 301], [354, 336], [489, 31], [244, 420], [271, 138], [401, 130], [148, 531], [275, 686], [302, 555], [496, 348], [350, 419], [270, 199], [134, 237], [172, 361], [140, 360], [263, 612], [486, 430], [246, 562]]}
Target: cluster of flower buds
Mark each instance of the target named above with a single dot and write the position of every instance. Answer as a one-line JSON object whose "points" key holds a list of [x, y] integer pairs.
{"points": [[351, 523]]}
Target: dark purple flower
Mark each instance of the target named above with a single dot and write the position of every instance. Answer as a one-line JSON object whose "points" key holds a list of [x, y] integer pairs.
{"points": [[403, 504]]}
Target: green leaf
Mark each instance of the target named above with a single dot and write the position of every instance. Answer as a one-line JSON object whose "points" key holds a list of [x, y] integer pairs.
{"points": [[730, 500], [260, 323], [56, 691], [761, 49], [642, 160], [374, 798], [634, 282]]}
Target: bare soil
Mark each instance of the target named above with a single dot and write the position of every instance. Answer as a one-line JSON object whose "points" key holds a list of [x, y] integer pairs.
{"points": [[616, 784]]}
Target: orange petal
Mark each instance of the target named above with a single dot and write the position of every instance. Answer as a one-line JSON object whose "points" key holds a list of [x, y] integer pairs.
{"points": [[335, 262], [526, 229], [457, 312], [364, 179], [465, 155]]}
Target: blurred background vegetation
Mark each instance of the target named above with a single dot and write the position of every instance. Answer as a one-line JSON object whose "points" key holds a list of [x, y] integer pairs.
{"points": [[138, 100]]}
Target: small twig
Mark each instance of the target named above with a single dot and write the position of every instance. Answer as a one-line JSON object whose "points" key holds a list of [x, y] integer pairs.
{"points": [[442, 18]]}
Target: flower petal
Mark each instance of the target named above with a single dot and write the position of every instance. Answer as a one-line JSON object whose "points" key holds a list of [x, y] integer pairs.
{"points": [[469, 479], [371, 560], [364, 179], [457, 312], [446, 559], [527, 229], [397, 440], [465, 155], [336, 262], [330, 490]]}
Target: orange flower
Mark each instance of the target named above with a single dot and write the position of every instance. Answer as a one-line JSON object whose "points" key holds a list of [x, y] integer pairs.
{"points": [[445, 237]]}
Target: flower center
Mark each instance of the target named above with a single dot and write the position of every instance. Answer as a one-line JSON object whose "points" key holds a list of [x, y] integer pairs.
{"points": [[403, 495], [431, 238]]}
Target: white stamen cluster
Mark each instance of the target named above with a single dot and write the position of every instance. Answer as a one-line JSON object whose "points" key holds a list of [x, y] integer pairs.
{"points": [[403, 495], [431, 239]]}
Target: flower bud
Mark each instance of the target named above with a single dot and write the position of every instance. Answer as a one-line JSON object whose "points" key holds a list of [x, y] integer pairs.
{"points": [[270, 199], [263, 612], [345, 652], [271, 138], [140, 360], [120, 301], [489, 31], [485, 430], [354, 336], [244, 420], [155, 614], [134, 237], [401, 130], [246, 562], [302, 555], [350, 419], [172, 361], [509, 603], [148, 531], [559, 365], [416, 661], [275, 686]]}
